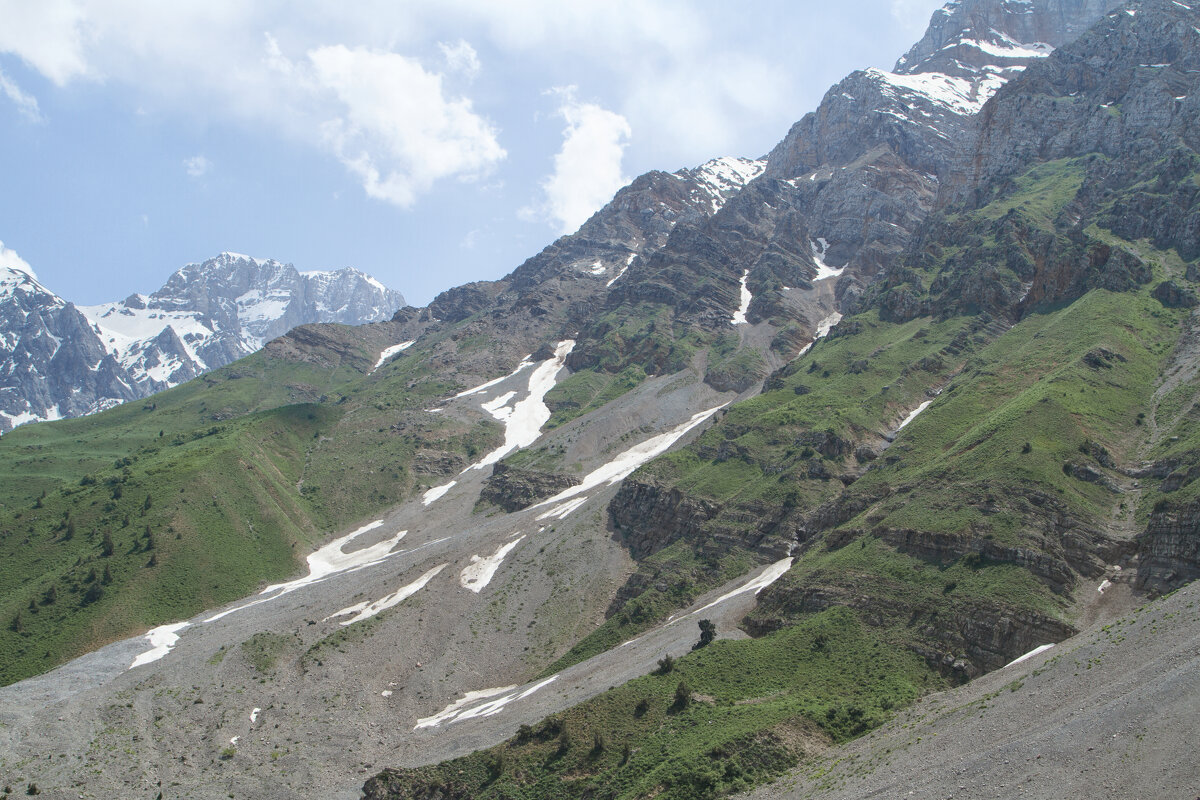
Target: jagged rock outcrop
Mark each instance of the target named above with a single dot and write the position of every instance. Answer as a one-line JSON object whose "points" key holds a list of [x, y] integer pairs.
{"points": [[513, 488], [648, 518], [52, 364], [62, 361]]}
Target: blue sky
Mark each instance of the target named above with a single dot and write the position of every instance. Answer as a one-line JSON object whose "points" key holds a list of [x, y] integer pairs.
{"points": [[427, 142]]}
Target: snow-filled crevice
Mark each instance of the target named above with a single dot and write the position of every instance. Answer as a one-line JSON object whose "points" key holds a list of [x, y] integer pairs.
{"points": [[739, 316], [913, 415], [388, 352], [819, 248]]}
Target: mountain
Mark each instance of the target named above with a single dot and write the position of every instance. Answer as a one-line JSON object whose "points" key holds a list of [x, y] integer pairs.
{"points": [[54, 365], [206, 316], [692, 499]]}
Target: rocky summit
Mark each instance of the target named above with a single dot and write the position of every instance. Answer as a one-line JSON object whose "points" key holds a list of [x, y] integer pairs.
{"points": [[62, 360], [866, 469]]}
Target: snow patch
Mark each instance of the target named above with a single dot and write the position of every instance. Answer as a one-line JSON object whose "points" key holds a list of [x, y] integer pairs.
{"points": [[819, 248], [1035, 651], [161, 639], [523, 425], [624, 464], [739, 316], [366, 610], [525, 362], [463, 709], [388, 352], [913, 415], [327, 562], [756, 585], [437, 493], [624, 269], [478, 574]]}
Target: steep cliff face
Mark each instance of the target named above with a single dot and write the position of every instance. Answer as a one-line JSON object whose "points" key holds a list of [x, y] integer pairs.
{"points": [[1169, 548], [52, 364]]}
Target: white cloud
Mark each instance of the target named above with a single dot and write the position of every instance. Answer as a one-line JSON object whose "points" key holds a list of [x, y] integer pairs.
{"points": [[197, 166], [10, 260], [587, 169], [397, 130], [47, 35], [461, 58], [26, 104]]}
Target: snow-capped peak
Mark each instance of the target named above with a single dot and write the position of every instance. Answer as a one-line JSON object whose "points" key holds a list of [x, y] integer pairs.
{"points": [[9, 260], [721, 178]]}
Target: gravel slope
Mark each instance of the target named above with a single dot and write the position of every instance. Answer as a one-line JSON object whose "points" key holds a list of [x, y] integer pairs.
{"points": [[1113, 712]]}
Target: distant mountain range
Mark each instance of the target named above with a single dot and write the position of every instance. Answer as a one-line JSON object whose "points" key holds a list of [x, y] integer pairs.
{"points": [[60, 360]]}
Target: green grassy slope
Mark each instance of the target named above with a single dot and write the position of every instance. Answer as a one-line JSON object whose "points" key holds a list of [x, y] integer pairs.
{"points": [[205, 492]]}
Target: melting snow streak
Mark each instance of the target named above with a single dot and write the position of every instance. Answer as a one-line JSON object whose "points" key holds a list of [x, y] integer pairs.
{"points": [[365, 610], [458, 710], [765, 579], [623, 465], [739, 316], [478, 574], [328, 561], [913, 415], [391, 351], [162, 639], [1035, 651]]}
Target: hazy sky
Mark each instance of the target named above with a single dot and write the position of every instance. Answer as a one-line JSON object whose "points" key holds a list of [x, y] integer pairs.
{"points": [[428, 142]]}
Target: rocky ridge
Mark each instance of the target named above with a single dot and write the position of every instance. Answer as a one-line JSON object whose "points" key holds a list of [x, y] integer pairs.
{"points": [[207, 315]]}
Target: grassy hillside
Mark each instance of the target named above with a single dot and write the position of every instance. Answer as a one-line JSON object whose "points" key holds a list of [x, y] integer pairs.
{"points": [[935, 552], [154, 511]]}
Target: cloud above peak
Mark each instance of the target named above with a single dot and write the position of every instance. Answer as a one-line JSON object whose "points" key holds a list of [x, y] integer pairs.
{"points": [[397, 129], [587, 168]]}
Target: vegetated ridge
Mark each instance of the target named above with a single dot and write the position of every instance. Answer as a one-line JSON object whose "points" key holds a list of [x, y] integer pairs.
{"points": [[924, 382]]}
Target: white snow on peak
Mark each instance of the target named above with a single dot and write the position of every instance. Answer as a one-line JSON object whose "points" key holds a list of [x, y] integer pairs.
{"points": [[161, 639], [11, 261], [739, 316], [230, 256], [388, 352], [478, 574], [721, 178], [819, 248], [960, 95]]}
